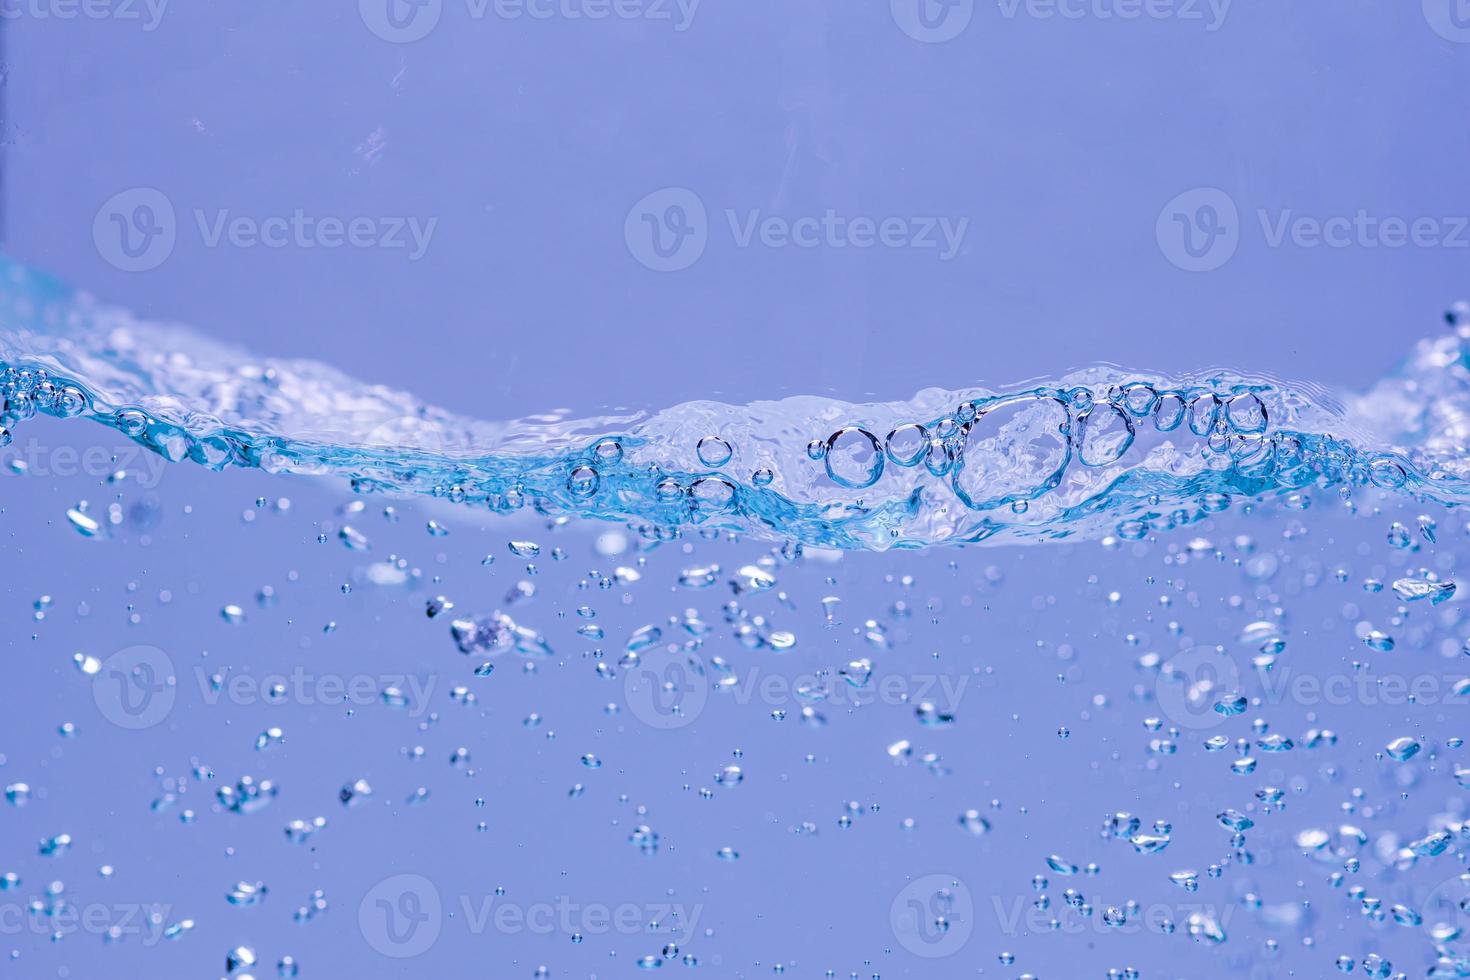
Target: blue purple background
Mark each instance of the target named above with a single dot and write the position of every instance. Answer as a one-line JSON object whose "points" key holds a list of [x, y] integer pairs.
{"points": [[1061, 140]]}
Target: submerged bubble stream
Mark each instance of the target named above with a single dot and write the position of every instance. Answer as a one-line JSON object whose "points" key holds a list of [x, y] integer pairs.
{"points": [[1232, 751], [1097, 452]]}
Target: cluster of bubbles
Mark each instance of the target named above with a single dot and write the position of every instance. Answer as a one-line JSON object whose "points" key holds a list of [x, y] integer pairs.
{"points": [[1096, 432], [1090, 455], [999, 457]]}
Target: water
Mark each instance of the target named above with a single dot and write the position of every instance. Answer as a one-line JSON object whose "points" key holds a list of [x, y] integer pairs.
{"points": [[1094, 452], [379, 691]]}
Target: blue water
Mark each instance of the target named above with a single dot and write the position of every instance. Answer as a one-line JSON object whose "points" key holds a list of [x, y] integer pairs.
{"points": [[1095, 452], [364, 694]]}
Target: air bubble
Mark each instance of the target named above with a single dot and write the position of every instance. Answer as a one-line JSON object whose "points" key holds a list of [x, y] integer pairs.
{"points": [[714, 451], [854, 458], [907, 444]]}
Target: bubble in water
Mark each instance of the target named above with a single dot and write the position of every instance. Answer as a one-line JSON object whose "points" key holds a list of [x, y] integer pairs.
{"points": [[353, 538], [1246, 413], [907, 444], [712, 495], [84, 524], [1387, 473], [1379, 641], [645, 839], [583, 481], [1188, 880], [355, 793], [247, 893], [1106, 433], [854, 458], [1413, 589], [752, 578], [1403, 749], [1204, 411], [1205, 928], [1235, 820], [714, 451], [269, 738], [644, 637], [974, 823], [1017, 450], [1061, 865], [1139, 399]]}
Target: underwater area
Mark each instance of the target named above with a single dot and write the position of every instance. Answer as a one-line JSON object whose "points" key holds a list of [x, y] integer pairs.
{"points": [[801, 489], [1166, 677]]}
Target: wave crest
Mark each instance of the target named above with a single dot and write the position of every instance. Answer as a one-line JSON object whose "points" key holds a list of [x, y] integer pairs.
{"points": [[1100, 451]]}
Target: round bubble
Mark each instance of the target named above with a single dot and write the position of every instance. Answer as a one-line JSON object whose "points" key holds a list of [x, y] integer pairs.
{"points": [[1169, 412], [583, 481], [907, 444], [1017, 450], [1246, 413], [1204, 411], [854, 458], [1106, 433], [714, 451]]}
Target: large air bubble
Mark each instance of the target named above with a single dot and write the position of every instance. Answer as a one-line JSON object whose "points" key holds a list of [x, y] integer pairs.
{"points": [[1104, 435], [1016, 450], [854, 458]]}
